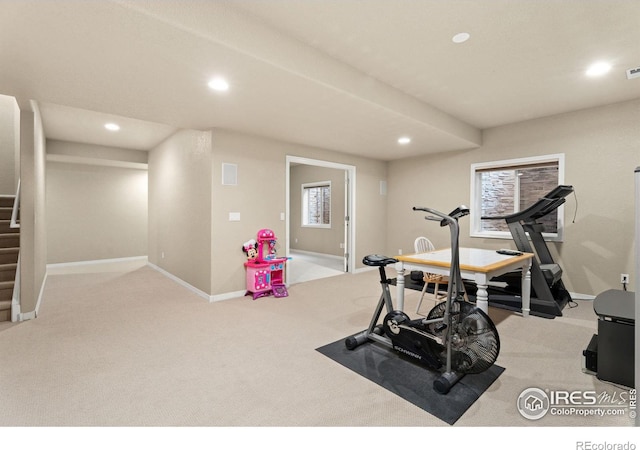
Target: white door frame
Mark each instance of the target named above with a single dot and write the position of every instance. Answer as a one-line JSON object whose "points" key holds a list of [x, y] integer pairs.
{"points": [[350, 245]]}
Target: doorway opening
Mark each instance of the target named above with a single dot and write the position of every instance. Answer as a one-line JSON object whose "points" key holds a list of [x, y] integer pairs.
{"points": [[320, 219]]}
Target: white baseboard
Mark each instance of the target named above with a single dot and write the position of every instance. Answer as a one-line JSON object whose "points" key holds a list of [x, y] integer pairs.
{"points": [[61, 266], [207, 297], [16, 310], [26, 316], [322, 255], [181, 282], [227, 296]]}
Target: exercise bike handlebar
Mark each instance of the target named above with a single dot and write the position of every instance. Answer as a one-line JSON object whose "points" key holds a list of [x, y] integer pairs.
{"points": [[444, 219], [455, 286]]}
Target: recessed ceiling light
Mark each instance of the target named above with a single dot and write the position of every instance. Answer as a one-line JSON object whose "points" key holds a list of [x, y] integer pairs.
{"points": [[219, 84], [404, 140], [460, 38], [597, 69], [112, 126]]}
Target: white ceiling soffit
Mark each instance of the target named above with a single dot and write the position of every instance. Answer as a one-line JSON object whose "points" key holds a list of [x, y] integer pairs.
{"points": [[78, 125], [347, 75]]}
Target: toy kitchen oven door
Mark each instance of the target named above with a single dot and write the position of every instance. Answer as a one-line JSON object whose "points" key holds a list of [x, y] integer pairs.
{"points": [[265, 270]]}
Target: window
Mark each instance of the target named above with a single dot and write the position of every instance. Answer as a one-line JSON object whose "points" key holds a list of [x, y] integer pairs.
{"points": [[501, 188], [316, 204]]}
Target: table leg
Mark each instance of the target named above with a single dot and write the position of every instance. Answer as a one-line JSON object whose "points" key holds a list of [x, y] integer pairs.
{"points": [[526, 288], [400, 286], [482, 297]]}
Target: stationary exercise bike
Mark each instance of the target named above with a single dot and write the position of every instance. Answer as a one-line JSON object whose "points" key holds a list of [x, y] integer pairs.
{"points": [[456, 338]]}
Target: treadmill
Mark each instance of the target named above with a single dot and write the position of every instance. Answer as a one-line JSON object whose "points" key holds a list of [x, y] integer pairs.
{"points": [[548, 293]]}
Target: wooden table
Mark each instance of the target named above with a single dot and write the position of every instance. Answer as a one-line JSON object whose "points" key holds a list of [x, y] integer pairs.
{"points": [[477, 265]]}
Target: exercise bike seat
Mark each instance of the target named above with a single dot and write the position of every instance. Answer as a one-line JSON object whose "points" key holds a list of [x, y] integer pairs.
{"points": [[378, 260]]}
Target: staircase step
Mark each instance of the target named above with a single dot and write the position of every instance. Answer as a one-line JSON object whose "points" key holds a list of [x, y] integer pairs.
{"points": [[5, 212], [6, 290], [5, 227], [8, 272], [7, 200], [9, 255], [9, 249], [9, 240]]}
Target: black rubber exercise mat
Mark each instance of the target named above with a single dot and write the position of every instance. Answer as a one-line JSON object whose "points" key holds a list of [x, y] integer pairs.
{"points": [[411, 381]]}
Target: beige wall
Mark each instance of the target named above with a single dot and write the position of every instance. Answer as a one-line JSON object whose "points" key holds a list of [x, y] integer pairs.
{"points": [[188, 212], [33, 238], [601, 152], [9, 144], [180, 207], [96, 202], [310, 239], [260, 197], [95, 212]]}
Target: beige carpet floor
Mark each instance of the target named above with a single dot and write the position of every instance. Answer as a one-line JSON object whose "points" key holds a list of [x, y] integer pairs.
{"points": [[134, 348]]}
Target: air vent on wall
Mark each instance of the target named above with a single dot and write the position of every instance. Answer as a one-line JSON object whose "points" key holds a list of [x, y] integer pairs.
{"points": [[633, 73], [229, 174]]}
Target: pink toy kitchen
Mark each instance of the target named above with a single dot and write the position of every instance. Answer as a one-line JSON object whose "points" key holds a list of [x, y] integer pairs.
{"points": [[265, 270]]}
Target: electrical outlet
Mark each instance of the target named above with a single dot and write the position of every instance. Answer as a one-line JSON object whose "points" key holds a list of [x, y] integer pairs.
{"points": [[624, 278]]}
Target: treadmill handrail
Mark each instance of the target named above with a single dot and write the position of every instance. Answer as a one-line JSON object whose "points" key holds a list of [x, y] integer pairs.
{"points": [[539, 209], [546, 205]]}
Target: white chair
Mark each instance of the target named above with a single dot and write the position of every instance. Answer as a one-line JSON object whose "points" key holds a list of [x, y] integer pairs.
{"points": [[423, 245]]}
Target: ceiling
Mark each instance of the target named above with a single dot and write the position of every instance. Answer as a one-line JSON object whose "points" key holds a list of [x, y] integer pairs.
{"points": [[347, 75]]}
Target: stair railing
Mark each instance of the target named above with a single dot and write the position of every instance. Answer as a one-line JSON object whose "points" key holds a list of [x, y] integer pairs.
{"points": [[15, 221]]}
